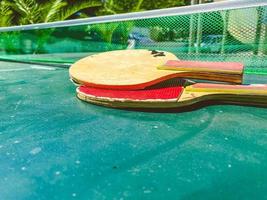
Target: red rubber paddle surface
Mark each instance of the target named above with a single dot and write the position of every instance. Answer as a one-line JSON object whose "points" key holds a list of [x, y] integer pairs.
{"points": [[160, 93]]}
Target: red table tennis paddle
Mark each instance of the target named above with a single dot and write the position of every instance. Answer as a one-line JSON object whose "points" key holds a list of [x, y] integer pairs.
{"points": [[175, 95]]}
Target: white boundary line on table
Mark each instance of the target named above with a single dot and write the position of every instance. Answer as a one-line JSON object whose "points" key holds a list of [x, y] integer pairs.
{"points": [[33, 67]]}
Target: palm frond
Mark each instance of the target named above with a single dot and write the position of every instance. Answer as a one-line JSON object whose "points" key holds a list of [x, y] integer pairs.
{"points": [[69, 10], [51, 9], [110, 7], [5, 13], [28, 9], [138, 5]]}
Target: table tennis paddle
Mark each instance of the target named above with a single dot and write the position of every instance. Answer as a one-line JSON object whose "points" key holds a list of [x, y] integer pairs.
{"points": [[138, 69], [175, 96]]}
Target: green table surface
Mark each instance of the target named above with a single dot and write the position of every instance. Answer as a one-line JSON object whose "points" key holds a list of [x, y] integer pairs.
{"points": [[53, 146]]}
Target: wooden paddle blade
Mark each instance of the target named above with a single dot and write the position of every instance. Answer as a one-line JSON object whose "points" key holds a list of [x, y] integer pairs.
{"points": [[230, 68], [135, 69]]}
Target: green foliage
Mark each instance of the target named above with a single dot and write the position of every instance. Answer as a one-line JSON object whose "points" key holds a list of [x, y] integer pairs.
{"points": [[102, 32], [121, 33], [21, 12], [160, 34], [158, 4], [35, 11], [117, 32], [71, 9], [52, 10], [123, 6], [28, 11], [5, 13], [10, 41]]}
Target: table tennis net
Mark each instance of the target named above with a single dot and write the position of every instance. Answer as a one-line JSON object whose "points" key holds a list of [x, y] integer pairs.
{"points": [[220, 35]]}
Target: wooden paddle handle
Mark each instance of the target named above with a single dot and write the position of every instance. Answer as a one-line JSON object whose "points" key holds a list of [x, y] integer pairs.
{"points": [[200, 66], [253, 89]]}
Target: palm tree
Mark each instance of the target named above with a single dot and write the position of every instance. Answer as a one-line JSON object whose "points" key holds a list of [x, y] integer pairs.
{"points": [[34, 11], [20, 12]]}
